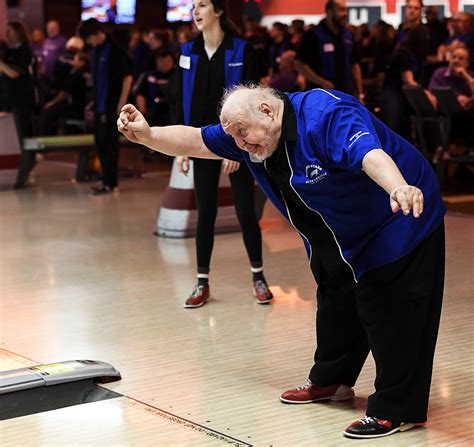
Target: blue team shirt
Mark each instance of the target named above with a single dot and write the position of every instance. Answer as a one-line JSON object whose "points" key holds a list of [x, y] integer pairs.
{"points": [[333, 133]]}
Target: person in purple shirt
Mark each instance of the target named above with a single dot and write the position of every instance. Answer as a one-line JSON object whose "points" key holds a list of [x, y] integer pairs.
{"points": [[53, 47], [460, 79], [457, 76]]}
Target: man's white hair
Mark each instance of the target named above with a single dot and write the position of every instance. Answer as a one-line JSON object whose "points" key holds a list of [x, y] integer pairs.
{"points": [[250, 96]]}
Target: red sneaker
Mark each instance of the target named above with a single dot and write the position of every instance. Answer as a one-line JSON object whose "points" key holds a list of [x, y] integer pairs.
{"points": [[308, 393], [262, 292], [198, 296]]}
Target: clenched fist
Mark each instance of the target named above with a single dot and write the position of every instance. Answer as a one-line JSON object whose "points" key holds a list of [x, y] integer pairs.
{"points": [[133, 125]]}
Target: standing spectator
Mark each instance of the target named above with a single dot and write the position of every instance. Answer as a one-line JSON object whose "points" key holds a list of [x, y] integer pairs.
{"points": [[157, 39], [21, 98], [71, 99], [215, 60], [64, 64], [112, 82], [437, 29], [152, 89], [37, 44], [327, 56], [296, 30], [280, 43], [53, 47], [438, 33], [286, 77], [141, 55], [405, 69], [382, 45], [413, 15]]}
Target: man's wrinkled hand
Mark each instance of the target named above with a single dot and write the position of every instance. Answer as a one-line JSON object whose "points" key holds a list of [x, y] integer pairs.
{"points": [[406, 198]]}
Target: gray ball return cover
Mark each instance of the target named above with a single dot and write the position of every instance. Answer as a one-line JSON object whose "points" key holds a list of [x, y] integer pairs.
{"points": [[56, 373]]}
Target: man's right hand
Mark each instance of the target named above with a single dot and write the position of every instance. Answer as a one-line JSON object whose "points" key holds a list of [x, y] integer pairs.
{"points": [[133, 125]]}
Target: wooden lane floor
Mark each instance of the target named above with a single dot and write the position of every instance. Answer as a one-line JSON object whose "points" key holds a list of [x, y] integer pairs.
{"points": [[84, 278]]}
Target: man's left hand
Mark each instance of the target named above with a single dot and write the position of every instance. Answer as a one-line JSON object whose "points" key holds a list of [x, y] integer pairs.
{"points": [[406, 198]]}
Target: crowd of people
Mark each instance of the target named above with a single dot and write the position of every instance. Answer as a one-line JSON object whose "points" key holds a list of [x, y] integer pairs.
{"points": [[47, 81]]}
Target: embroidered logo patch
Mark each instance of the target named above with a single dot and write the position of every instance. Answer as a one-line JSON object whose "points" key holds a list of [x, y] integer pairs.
{"points": [[315, 174]]}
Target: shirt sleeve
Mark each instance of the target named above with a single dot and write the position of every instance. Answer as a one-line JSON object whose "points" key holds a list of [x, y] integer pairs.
{"points": [[436, 79], [220, 143], [344, 134]]}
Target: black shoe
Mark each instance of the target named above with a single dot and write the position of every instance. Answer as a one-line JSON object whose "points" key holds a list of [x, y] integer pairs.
{"points": [[100, 189], [369, 427]]}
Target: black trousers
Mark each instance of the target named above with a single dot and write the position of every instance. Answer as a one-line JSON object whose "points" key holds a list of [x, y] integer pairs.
{"points": [[106, 141], [206, 186], [23, 115], [393, 311]]}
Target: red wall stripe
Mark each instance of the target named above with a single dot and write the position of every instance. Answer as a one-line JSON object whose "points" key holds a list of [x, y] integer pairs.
{"points": [[285, 7], [391, 6], [454, 6]]}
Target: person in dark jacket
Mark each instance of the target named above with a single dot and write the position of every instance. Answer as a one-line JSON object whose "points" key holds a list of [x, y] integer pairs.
{"points": [[112, 79]]}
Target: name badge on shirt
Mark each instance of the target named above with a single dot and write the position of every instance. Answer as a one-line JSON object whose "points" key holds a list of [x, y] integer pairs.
{"points": [[185, 62], [328, 48]]}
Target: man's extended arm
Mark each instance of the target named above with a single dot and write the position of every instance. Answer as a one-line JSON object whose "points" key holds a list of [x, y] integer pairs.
{"points": [[170, 140], [382, 170]]}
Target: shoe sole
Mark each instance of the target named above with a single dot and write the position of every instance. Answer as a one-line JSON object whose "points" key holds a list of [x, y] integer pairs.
{"points": [[403, 427], [191, 306], [262, 302], [338, 398]]}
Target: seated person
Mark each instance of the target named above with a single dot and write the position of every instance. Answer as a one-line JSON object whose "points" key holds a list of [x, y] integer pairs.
{"points": [[71, 99], [152, 89], [457, 76], [460, 79]]}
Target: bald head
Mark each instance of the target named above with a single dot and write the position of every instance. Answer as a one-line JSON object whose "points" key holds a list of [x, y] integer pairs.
{"points": [[245, 103], [253, 116]]}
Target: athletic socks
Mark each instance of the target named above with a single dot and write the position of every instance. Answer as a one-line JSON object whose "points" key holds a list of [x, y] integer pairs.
{"points": [[257, 274], [203, 279]]}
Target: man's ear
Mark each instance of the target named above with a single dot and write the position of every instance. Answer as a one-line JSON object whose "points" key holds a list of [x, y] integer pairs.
{"points": [[266, 109]]}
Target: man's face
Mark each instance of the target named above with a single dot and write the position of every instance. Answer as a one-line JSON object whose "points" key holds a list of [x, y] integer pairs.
{"points": [[52, 28], [259, 137], [93, 40], [459, 59], [413, 11], [340, 13]]}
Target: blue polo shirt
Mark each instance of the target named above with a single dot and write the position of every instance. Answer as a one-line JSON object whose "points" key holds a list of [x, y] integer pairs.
{"points": [[315, 179]]}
